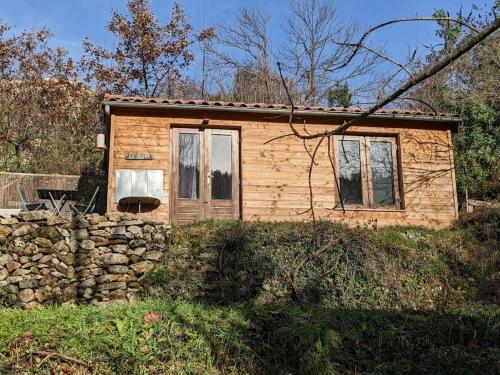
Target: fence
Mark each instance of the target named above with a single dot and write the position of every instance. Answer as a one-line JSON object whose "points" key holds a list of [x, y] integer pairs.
{"points": [[9, 197]]}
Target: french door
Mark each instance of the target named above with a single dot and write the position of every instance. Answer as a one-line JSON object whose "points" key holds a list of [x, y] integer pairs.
{"points": [[204, 174]]}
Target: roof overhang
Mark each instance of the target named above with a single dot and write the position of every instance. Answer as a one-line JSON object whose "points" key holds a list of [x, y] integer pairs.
{"points": [[454, 120]]}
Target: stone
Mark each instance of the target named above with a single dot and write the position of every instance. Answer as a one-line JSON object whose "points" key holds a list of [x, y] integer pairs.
{"points": [[107, 224], [28, 284], [135, 230], [64, 232], [36, 257], [119, 248], [100, 233], [81, 234], [142, 267], [56, 220], [69, 259], [42, 295], [34, 215], [137, 243], [139, 251], [4, 259], [8, 220], [111, 286], [118, 269], [108, 278], [153, 255], [114, 258], [70, 273], [22, 230], [132, 222], [87, 244], [45, 259], [121, 230], [32, 305], [73, 246], [12, 265], [5, 231], [28, 249], [61, 247], [26, 295], [148, 228], [43, 242], [87, 283], [96, 218], [3, 273], [117, 294], [50, 232]]}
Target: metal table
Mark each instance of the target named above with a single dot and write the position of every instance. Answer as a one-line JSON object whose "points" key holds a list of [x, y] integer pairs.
{"points": [[58, 198]]}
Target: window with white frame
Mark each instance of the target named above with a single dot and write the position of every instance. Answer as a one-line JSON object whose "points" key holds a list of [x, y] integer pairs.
{"points": [[367, 171]]}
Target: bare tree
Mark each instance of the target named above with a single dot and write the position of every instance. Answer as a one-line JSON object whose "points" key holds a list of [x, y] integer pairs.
{"points": [[311, 56], [468, 42], [242, 50]]}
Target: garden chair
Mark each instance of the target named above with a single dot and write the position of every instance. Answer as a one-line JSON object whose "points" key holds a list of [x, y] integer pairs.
{"points": [[82, 209], [27, 206]]}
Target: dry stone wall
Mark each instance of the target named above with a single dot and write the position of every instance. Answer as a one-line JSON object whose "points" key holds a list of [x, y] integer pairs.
{"points": [[48, 259]]}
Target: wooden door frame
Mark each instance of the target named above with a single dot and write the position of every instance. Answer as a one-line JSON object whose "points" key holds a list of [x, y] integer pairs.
{"points": [[205, 183]]}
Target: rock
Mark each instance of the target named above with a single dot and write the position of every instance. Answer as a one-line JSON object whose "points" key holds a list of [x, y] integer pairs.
{"points": [[4, 259], [50, 232], [45, 259], [107, 224], [142, 267], [118, 269], [64, 232], [28, 284], [114, 258], [135, 230], [61, 247], [132, 222], [34, 215], [3, 273], [4, 231], [121, 230], [42, 295], [8, 221], [56, 220], [109, 278], [22, 230], [111, 286], [100, 233], [96, 218], [32, 305], [119, 248], [73, 246], [87, 283], [139, 251], [69, 259], [153, 255], [12, 266], [148, 228], [81, 234], [87, 244], [44, 242], [118, 294], [28, 249], [70, 272], [26, 295], [137, 243]]}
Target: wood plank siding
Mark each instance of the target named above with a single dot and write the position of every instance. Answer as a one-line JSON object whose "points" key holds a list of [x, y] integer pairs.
{"points": [[274, 176]]}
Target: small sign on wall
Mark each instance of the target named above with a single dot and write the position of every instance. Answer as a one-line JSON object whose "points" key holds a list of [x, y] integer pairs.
{"points": [[139, 157]]}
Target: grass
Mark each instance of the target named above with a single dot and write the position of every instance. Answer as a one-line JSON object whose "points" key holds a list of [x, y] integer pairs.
{"points": [[196, 338], [401, 300]]}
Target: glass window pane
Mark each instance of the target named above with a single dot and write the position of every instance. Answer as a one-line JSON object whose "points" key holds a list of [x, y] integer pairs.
{"points": [[382, 172], [221, 167], [189, 166], [350, 172]]}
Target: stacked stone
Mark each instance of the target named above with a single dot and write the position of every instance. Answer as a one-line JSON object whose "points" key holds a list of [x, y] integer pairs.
{"points": [[48, 259]]}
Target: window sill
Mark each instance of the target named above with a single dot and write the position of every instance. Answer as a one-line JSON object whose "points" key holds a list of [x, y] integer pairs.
{"points": [[378, 209]]}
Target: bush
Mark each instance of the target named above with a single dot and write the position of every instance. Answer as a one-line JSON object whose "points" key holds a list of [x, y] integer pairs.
{"points": [[330, 264]]}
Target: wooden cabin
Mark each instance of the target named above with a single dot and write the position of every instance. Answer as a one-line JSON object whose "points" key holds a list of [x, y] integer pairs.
{"points": [[180, 161]]}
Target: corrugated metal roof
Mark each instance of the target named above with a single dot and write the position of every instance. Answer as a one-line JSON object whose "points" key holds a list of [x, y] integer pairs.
{"points": [[110, 99]]}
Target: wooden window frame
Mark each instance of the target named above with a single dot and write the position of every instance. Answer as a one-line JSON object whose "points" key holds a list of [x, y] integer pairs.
{"points": [[366, 173]]}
